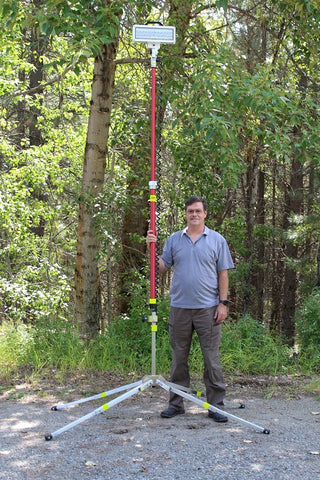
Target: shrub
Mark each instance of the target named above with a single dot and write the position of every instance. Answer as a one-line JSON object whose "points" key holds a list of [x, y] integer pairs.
{"points": [[307, 321], [126, 344], [248, 347]]}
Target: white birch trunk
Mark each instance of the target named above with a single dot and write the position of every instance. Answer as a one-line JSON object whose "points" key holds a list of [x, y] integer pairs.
{"points": [[87, 278]]}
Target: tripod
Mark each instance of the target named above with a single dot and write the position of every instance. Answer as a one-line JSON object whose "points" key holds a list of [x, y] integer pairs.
{"points": [[148, 34], [141, 385]]}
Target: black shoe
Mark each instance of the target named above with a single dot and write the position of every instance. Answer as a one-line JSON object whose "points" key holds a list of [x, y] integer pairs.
{"points": [[217, 417], [171, 412]]}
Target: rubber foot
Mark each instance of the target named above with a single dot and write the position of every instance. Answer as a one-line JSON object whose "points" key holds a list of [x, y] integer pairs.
{"points": [[266, 431], [242, 405], [54, 408], [48, 437]]}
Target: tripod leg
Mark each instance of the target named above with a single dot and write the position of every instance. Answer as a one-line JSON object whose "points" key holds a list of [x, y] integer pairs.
{"points": [[101, 409], [176, 389], [197, 393], [97, 396]]}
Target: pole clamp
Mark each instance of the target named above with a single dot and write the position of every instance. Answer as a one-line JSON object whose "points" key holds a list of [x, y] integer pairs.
{"points": [[153, 185]]}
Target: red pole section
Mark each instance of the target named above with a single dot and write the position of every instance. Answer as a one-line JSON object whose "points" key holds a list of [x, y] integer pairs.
{"points": [[153, 186]]}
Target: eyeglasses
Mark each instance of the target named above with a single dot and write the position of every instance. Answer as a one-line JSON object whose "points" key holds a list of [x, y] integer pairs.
{"points": [[197, 211]]}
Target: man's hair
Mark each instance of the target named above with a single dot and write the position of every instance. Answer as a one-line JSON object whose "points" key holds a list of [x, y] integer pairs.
{"points": [[195, 199]]}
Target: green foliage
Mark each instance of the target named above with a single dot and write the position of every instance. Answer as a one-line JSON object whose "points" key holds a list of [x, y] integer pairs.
{"points": [[43, 344], [126, 345], [308, 320], [227, 108], [16, 343], [88, 25], [248, 347], [35, 292], [308, 330], [37, 215], [58, 344]]}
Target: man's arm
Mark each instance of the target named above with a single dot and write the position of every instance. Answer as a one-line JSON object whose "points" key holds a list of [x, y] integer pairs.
{"points": [[223, 285], [162, 266]]}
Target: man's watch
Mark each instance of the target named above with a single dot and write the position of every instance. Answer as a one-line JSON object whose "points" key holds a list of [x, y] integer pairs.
{"points": [[224, 302]]}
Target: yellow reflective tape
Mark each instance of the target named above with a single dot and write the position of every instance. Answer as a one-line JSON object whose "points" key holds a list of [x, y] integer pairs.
{"points": [[153, 300], [206, 405], [153, 198], [154, 328], [198, 394], [105, 406], [103, 394]]}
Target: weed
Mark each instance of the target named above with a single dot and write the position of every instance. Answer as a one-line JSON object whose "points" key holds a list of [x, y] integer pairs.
{"points": [[125, 346]]}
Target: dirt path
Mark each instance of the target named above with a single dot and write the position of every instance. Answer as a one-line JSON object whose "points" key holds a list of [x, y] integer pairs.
{"points": [[131, 441]]}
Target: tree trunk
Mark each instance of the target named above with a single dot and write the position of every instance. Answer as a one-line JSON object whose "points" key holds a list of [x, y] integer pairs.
{"points": [[38, 44], [293, 206], [37, 47], [250, 199], [318, 268], [258, 278], [87, 277], [277, 262]]}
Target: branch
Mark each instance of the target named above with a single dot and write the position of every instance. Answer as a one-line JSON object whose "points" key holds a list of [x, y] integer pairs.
{"points": [[38, 88], [202, 8], [123, 61], [58, 78]]}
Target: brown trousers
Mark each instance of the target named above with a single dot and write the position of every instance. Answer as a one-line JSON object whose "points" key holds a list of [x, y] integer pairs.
{"points": [[182, 323]]}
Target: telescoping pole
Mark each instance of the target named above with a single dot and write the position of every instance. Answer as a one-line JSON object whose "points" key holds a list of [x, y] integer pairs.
{"points": [[153, 319], [153, 34], [153, 184]]}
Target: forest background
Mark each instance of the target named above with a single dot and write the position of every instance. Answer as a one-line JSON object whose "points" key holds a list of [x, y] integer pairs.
{"points": [[237, 122]]}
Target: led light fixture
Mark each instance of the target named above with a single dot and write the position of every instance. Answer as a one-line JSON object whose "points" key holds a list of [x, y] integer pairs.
{"points": [[154, 34]]}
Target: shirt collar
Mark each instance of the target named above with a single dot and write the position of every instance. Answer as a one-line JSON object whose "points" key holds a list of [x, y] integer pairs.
{"points": [[205, 231]]}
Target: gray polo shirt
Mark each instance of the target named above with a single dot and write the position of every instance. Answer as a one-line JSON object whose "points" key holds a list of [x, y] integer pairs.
{"points": [[195, 267]]}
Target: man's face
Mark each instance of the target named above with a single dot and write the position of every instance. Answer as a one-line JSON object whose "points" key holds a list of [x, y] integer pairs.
{"points": [[195, 214]]}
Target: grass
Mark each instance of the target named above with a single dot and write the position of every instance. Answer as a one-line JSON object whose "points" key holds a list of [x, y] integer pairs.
{"points": [[314, 387], [246, 348]]}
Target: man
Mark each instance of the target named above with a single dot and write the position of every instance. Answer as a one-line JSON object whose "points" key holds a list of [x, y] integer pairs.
{"points": [[200, 258]]}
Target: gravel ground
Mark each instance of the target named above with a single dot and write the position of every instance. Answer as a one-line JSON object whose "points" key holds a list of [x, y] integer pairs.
{"points": [[131, 441]]}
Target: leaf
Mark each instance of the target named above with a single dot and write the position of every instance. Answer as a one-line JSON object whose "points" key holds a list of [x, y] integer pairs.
{"points": [[222, 4]]}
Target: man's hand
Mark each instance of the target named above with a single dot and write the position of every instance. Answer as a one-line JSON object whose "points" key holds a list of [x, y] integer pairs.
{"points": [[150, 238], [221, 313]]}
